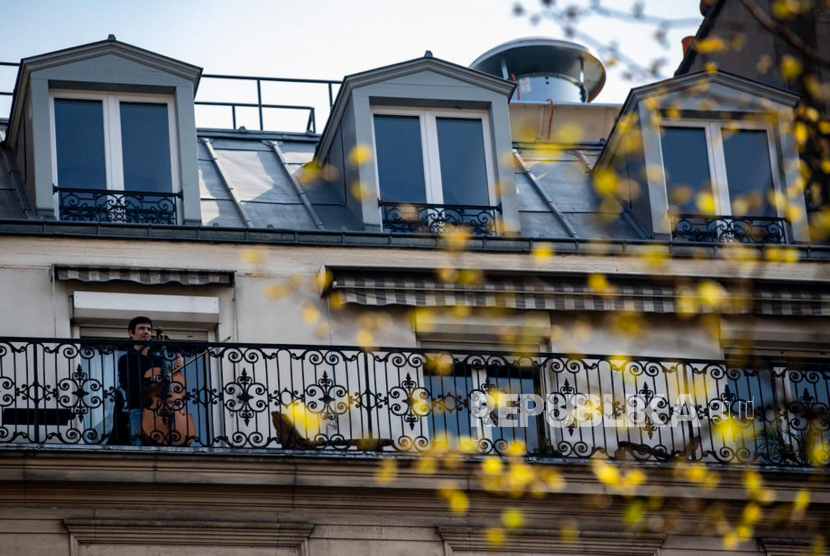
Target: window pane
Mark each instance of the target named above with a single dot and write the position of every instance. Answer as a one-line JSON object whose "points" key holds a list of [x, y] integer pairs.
{"points": [[686, 162], [145, 145], [400, 159], [450, 417], [79, 142], [463, 169], [748, 172], [521, 383]]}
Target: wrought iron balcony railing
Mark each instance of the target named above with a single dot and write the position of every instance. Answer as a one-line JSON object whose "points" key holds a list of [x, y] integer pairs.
{"points": [[339, 399], [729, 229], [412, 218], [133, 207]]}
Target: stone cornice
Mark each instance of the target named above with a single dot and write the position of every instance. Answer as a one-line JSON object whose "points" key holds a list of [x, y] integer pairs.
{"points": [[111, 469], [550, 541], [176, 533]]}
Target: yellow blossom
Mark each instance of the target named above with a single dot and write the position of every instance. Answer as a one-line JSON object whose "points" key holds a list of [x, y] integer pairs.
{"points": [[730, 541], [606, 473], [494, 536], [365, 339], [712, 294], [516, 448], [711, 44], [752, 514], [459, 502], [251, 256], [706, 203], [387, 471], [605, 182], [310, 315], [802, 500], [791, 67], [512, 518], [801, 133], [568, 531], [541, 253], [426, 465], [568, 133], [492, 465], [359, 155], [633, 513]]}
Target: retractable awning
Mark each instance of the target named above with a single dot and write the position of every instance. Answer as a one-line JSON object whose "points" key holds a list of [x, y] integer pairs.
{"points": [[147, 276], [569, 293]]}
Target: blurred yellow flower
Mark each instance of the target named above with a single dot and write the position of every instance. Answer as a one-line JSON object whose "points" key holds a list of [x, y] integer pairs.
{"points": [[512, 518], [426, 465], [605, 182], [494, 536], [706, 203], [365, 339], [359, 155], [711, 44], [791, 67], [568, 133], [310, 315], [606, 473], [387, 471], [251, 256], [360, 191], [711, 294], [491, 465], [541, 253]]}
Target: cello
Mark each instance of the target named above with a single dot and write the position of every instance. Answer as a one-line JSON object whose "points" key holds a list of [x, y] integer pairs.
{"points": [[164, 417]]}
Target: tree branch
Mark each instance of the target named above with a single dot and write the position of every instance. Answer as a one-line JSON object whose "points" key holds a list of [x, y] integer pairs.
{"points": [[764, 19]]}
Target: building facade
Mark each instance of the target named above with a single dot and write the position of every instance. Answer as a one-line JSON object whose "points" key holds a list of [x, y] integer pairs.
{"points": [[475, 314]]}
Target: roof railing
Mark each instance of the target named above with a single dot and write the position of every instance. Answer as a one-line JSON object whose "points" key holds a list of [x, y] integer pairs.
{"points": [[259, 105], [311, 123]]}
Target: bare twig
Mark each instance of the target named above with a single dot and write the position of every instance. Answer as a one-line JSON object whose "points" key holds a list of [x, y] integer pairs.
{"points": [[764, 19]]}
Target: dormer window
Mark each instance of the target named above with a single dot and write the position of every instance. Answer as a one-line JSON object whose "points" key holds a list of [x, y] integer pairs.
{"points": [[114, 157], [434, 169], [721, 179]]}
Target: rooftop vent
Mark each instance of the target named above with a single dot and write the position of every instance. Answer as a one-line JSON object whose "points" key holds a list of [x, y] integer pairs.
{"points": [[545, 69]]}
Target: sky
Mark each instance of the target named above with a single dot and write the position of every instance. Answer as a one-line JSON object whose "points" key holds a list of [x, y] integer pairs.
{"points": [[320, 39]]}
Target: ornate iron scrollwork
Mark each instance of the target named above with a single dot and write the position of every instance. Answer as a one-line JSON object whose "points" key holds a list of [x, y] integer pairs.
{"points": [[409, 218], [728, 229], [130, 207]]}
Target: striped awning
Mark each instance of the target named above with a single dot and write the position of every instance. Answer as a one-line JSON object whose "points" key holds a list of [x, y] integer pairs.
{"points": [[148, 276], [573, 294]]}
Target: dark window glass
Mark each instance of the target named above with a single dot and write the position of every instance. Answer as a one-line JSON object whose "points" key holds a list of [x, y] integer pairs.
{"points": [[463, 168], [514, 380], [748, 172], [400, 159], [79, 142], [686, 163], [450, 417], [145, 145]]}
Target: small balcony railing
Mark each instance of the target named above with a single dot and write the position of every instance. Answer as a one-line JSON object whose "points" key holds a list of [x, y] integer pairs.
{"points": [[729, 229], [128, 207], [326, 400], [414, 218]]}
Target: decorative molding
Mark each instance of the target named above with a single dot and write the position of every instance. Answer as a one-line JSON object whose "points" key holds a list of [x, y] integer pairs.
{"points": [[549, 541], [786, 546], [187, 533]]}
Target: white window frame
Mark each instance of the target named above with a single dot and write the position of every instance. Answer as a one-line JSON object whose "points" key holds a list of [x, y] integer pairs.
{"points": [[430, 148], [113, 154], [717, 158]]}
